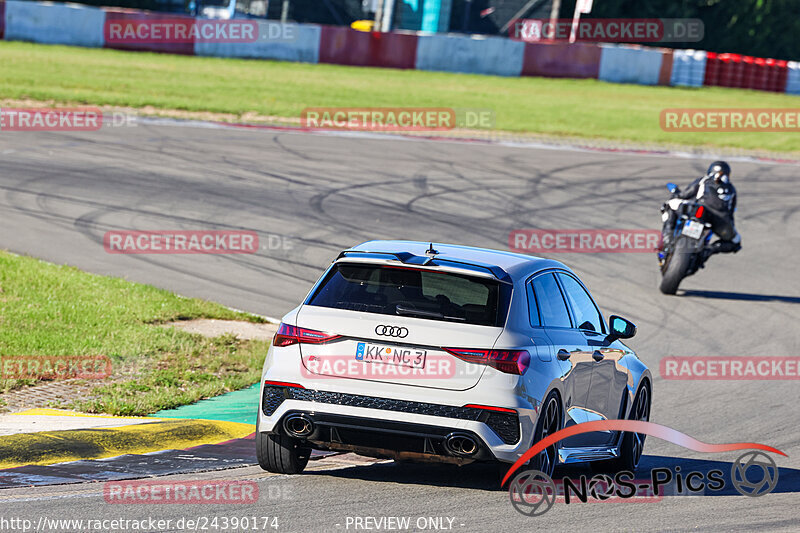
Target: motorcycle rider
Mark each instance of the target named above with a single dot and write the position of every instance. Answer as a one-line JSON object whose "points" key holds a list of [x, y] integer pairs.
{"points": [[716, 192]]}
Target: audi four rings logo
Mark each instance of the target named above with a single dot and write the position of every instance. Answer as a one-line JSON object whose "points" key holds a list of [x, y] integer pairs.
{"points": [[391, 331]]}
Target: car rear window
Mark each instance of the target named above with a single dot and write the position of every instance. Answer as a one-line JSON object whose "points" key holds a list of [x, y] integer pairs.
{"points": [[389, 290]]}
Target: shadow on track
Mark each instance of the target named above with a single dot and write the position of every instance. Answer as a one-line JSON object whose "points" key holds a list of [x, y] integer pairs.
{"points": [[487, 477], [721, 295], [788, 478], [474, 476]]}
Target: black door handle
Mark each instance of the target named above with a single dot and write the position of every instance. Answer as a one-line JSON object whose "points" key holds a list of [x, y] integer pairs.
{"points": [[563, 355], [597, 355]]}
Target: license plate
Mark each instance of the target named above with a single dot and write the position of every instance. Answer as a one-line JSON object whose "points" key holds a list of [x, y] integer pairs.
{"points": [[693, 229], [390, 355]]}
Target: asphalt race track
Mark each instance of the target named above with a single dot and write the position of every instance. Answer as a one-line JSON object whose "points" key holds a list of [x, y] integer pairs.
{"points": [[318, 194]]}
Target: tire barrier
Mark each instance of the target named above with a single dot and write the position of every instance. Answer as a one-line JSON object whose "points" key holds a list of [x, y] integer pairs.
{"points": [[340, 45], [68, 24], [471, 55], [630, 64], [745, 72], [688, 68], [561, 60], [793, 77], [778, 74]]}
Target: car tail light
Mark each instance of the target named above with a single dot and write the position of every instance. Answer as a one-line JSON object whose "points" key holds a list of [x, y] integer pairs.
{"points": [[283, 384], [700, 211], [508, 361], [491, 408], [288, 335]]}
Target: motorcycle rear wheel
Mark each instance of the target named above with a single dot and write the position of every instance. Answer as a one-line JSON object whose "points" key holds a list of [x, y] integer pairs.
{"points": [[677, 264]]}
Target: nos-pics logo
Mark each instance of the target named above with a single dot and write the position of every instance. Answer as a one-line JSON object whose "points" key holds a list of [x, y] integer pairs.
{"points": [[533, 492]]}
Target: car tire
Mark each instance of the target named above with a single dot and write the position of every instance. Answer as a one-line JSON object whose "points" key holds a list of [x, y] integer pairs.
{"points": [[549, 421], [632, 445], [280, 454]]}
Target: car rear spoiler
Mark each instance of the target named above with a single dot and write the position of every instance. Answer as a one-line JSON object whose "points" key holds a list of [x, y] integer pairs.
{"points": [[408, 258]]}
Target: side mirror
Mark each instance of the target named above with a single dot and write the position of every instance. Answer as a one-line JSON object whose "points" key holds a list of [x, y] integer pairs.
{"points": [[621, 328], [671, 187]]}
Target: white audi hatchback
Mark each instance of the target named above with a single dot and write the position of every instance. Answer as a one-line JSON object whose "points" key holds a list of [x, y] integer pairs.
{"points": [[450, 354]]}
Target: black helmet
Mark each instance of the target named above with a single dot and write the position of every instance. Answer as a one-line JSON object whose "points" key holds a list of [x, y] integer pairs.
{"points": [[720, 171]]}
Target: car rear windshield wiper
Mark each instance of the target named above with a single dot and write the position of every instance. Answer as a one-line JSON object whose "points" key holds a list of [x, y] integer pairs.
{"points": [[402, 310]]}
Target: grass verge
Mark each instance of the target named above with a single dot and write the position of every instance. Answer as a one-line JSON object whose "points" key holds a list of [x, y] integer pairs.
{"points": [[51, 310], [557, 107]]}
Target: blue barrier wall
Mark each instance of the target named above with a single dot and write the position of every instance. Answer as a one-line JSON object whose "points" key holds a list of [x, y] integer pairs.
{"points": [[628, 64], [456, 53], [50, 23], [287, 42]]}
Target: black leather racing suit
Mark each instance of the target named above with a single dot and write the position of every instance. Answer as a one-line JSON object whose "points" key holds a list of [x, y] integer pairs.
{"points": [[720, 202]]}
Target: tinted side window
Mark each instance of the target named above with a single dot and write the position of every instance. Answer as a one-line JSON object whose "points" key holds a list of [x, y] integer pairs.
{"points": [[533, 309], [552, 309], [586, 314]]}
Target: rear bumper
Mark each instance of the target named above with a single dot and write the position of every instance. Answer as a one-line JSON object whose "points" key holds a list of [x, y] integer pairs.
{"points": [[386, 427], [386, 438]]}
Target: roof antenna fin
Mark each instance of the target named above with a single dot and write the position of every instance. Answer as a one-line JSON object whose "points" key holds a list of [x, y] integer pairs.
{"points": [[431, 253]]}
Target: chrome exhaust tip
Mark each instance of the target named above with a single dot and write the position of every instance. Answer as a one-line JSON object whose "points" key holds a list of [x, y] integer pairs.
{"points": [[461, 445], [298, 426]]}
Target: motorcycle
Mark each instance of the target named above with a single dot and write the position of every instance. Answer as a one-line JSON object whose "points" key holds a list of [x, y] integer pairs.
{"points": [[689, 247]]}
